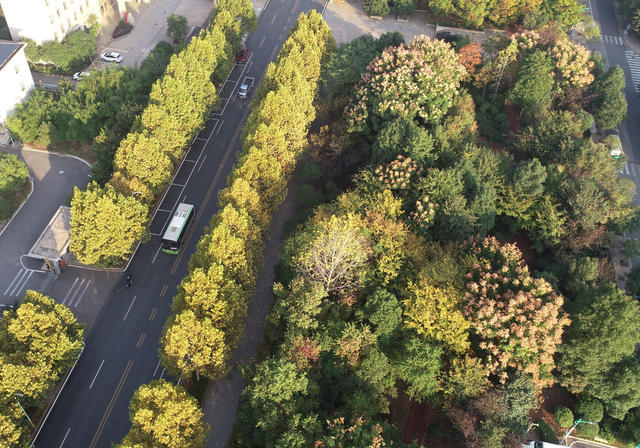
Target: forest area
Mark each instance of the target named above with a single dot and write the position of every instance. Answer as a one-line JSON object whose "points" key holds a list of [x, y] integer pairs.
{"points": [[449, 254]]}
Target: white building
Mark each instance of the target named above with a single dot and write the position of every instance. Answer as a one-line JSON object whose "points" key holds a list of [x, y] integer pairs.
{"points": [[46, 20], [15, 77]]}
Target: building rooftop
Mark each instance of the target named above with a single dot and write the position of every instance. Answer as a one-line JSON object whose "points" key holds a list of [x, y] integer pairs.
{"points": [[7, 50]]}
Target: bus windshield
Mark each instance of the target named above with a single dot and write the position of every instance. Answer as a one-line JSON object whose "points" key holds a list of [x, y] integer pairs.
{"points": [[177, 228]]}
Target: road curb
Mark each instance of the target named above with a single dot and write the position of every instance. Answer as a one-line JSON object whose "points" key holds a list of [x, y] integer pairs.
{"points": [[60, 154], [19, 208]]}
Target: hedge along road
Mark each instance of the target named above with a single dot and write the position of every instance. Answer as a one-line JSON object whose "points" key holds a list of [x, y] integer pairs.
{"points": [[121, 350]]}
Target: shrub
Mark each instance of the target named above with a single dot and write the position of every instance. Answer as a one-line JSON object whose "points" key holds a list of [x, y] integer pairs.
{"points": [[590, 408], [377, 8], [72, 54], [310, 172], [13, 172], [121, 29], [308, 197], [546, 432], [588, 430], [404, 7], [6, 208], [633, 281], [177, 27], [563, 416]]}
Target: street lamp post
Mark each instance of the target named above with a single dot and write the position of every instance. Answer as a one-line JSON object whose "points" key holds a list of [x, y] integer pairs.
{"points": [[25, 412], [576, 423]]}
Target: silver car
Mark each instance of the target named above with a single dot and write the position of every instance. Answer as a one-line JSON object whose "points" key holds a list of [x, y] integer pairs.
{"points": [[78, 75], [245, 87], [111, 56]]}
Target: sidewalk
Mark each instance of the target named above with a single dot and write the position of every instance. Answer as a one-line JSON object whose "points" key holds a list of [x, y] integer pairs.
{"points": [[221, 401], [150, 26], [348, 20]]}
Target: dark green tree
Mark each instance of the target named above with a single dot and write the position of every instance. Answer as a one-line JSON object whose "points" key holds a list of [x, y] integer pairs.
{"points": [[402, 136], [534, 81], [177, 27], [590, 360], [610, 104], [345, 67]]}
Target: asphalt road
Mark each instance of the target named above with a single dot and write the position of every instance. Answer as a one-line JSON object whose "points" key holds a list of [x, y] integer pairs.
{"points": [[121, 350], [616, 54], [53, 176]]}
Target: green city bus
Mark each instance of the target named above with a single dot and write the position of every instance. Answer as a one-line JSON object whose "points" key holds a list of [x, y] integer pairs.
{"points": [[177, 228]]}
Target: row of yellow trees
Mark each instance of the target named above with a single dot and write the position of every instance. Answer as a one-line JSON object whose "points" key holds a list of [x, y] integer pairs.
{"points": [[212, 299], [39, 341], [107, 222]]}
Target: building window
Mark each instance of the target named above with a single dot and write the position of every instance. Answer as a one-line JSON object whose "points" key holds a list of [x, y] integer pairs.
{"points": [[17, 69], [81, 9], [62, 28], [56, 35], [23, 86], [58, 11], [69, 21]]}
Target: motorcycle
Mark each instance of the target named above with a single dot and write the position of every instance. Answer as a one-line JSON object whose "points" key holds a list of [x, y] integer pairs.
{"points": [[128, 281]]}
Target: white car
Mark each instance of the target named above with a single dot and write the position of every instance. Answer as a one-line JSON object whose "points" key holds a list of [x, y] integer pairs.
{"points": [[78, 75], [111, 56]]}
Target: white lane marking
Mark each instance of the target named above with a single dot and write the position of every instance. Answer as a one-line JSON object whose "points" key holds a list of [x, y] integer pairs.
{"points": [[219, 127], [156, 369], [125, 316], [70, 289], [73, 297], [82, 293], [65, 437], [626, 169], [184, 198], [21, 284], [161, 374], [156, 255], [96, 375], [202, 163], [13, 281], [262, 41], [274, 19]]}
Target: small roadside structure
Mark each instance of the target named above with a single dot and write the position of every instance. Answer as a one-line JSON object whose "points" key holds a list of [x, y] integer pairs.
{"points": [[53, 242]]}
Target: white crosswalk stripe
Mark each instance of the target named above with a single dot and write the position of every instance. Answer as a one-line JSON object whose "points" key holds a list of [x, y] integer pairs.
{"points": [[613, 40], [633, 62]]}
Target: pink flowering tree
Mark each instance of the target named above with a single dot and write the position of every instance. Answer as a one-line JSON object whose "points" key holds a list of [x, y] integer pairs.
{"points": [[416, 81], [517, 321], [397, 174], [424, 214]]}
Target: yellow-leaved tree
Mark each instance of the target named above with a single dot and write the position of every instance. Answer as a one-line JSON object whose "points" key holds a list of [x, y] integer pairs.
{"points": [[164, 415], [105, 225], [436, 314]]}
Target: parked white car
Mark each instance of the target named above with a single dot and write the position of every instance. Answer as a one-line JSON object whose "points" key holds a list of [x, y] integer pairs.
{"points": [[78, 75], [111, 56]]}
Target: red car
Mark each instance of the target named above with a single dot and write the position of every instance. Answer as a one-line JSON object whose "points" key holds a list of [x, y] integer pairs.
{"points": [[243, 55]]}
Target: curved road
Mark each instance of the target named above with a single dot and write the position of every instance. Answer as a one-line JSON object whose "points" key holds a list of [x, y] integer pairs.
{"points": [[54, 177]]}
